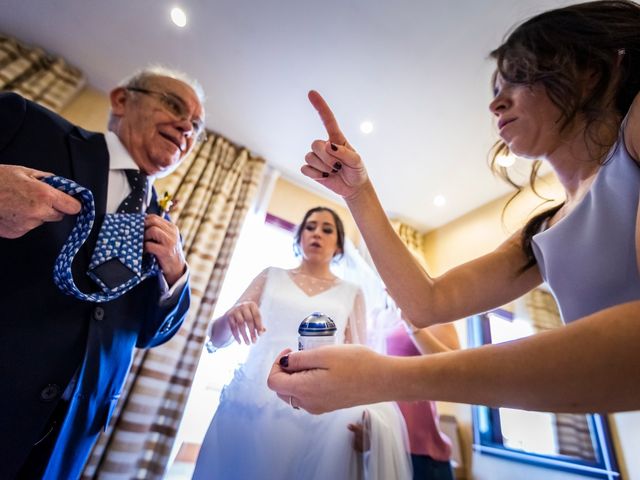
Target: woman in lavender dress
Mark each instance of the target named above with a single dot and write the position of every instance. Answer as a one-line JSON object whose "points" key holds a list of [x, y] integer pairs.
{"points": [[566, 91]]}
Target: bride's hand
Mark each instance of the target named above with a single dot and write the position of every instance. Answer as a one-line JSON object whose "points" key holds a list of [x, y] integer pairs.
{"points": [[245, 321], [334, 163]]}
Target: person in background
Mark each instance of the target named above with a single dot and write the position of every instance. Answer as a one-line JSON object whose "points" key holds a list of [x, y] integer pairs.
{"points": [[565, 92], [430, 448], [63, 359]]}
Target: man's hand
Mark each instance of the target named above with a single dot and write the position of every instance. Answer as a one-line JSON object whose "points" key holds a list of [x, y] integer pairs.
{"points": [[162, 239], [26, 202]]}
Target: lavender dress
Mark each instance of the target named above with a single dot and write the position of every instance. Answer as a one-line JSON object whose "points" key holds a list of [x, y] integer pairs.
{"points": [[589, 258]]}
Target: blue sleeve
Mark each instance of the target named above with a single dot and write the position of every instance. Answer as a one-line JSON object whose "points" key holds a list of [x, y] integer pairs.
{"points": [[163, 322]]}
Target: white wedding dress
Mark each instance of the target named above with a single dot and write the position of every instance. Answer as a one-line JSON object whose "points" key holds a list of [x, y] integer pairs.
{"points": [[255, 435]]}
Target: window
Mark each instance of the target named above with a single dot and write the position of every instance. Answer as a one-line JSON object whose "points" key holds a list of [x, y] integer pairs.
{"points": [[576, 443]]}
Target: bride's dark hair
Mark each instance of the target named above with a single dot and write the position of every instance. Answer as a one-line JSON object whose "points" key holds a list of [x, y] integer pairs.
{"points": [[339, 230]]}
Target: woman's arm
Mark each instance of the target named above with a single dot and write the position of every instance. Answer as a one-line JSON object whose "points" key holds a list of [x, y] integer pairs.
{"points": [[591, 365], [434, 339], [480, 285], [356, 330]]}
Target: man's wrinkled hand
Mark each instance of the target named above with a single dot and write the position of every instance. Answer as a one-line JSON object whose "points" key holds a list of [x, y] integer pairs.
{"points": [[26, 202]]}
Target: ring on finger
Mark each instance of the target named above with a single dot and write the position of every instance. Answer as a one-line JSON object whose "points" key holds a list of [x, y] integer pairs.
{"points": [[296, 407]]}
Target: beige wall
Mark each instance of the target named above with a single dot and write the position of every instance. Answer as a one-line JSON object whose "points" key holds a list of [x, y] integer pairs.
{"points": [[89, 109]]}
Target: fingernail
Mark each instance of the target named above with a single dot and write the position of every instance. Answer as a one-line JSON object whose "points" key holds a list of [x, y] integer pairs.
{"points": [[284, 361], [337, 165], [334, 147], [325, 174]]}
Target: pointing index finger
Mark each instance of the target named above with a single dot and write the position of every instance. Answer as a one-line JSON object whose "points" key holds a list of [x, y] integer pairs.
{"points": [[328, 119]]}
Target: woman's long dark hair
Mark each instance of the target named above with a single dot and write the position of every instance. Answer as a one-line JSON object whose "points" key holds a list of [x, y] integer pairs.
{"points": [[559, 49]]}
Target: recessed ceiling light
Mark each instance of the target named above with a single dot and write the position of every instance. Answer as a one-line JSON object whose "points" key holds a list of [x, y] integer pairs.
{"points": [[366, 127], [439, 200], [178, 17], [506, 160]]}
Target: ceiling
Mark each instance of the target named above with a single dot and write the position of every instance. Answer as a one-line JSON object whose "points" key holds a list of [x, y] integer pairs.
{"points": [[418, 70]]}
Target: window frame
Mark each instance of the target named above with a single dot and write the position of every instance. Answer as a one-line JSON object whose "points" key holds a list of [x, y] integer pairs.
{"points": [[489, 440]]}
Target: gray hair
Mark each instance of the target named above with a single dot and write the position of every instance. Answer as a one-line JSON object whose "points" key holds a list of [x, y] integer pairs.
{"points": [[141, 79]]}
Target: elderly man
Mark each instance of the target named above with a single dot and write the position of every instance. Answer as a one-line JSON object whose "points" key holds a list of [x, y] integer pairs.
{"points": [[63, 360]]}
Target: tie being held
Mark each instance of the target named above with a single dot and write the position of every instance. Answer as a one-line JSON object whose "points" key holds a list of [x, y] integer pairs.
{"points": [[118, 263]]}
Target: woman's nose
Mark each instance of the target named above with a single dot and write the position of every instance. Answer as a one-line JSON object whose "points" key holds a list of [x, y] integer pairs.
{"points": [[499, 104]]}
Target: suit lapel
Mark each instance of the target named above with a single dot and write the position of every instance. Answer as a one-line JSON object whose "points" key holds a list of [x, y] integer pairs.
{"points": [[90, 168], [153, 204]]}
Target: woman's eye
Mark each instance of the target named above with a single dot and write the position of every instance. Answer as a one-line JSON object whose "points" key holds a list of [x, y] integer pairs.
{"points": [[328, 231], [311, 228]]}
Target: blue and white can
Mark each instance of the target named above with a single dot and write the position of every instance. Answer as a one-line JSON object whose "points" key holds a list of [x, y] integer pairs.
{"points": [[316, 330]]}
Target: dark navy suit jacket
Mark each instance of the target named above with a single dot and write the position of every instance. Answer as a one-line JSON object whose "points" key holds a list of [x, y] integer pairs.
{"points": [[46, 336]]}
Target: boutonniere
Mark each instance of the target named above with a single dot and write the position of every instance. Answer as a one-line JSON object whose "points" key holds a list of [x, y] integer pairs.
{"points": [[166, 202]]}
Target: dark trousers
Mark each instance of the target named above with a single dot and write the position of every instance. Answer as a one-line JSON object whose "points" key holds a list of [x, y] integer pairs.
{"points": [[426, 468], [38, 459]]}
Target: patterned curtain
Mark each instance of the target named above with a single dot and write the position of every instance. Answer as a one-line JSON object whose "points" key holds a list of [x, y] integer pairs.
{"points": [[37, 75], [214, 188], [572, 430], [413, 239]]}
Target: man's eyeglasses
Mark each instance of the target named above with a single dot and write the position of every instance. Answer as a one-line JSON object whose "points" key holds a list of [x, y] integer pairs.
{"points": [[176, 107]]}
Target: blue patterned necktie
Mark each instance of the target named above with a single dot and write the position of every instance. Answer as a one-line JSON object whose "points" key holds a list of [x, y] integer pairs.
{"points": [[117, 264], [137, 198]]}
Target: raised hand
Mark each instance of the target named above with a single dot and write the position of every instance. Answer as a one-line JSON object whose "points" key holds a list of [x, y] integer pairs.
{"points": [[333, 163], [26, 202], [244, 320]]}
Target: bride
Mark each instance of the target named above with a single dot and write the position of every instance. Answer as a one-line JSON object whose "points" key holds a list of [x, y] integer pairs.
{"points": [[253, 433]]}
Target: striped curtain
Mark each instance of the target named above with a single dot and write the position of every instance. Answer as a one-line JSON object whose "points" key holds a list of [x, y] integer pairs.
{"points": [[37, 75], [413, 239], [214, 188], [572, 430]]}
